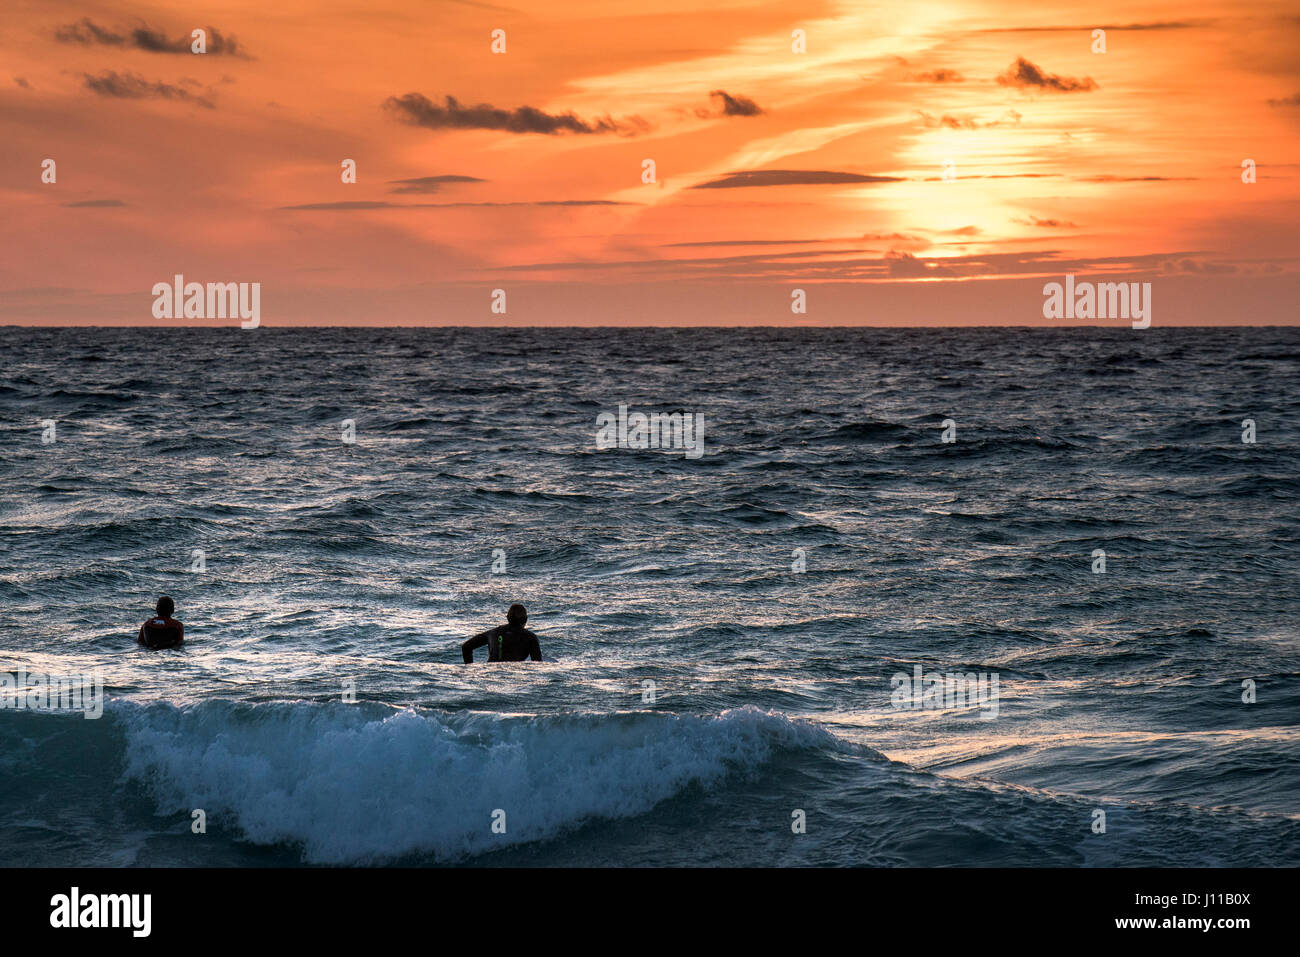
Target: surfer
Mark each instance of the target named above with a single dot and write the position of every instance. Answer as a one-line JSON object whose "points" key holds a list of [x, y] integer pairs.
{"points": [[508, 642], [162, 631]]}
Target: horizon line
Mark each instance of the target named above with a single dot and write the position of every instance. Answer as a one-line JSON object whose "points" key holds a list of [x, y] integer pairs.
{"points": [[1265, 325]]}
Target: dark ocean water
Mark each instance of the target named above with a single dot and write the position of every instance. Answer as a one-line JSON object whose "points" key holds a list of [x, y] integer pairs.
{"points": [[329, 561]]}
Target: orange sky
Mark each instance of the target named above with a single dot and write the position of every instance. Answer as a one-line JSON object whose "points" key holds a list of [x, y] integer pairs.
{"points": [[822, 170]]}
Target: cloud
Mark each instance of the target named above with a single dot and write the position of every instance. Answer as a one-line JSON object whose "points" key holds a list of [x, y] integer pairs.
{"points": [[1025, 75], [22, 82], [88, 33], [485, 6], [129, 86], [1152, 25], [737, 105], [1108, 178], [552, 202], [358, 204], [1292, 100], [935, 179], [364, 204], [949, 121], [896, 264], [905, 266], [708, 264], [790, 177], [429, 184], [938, 76], [1193, 267], [898, 240], [417, 110], [97, 203], [747, 242], [1045, 223]]}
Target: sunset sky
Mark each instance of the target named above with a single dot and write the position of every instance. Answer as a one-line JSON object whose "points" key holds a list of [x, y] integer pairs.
{"points": [[822, 170]]}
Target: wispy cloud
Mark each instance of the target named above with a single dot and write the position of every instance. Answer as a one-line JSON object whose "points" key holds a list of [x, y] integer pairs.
{"points": [[746, 242], [937, 76], [1196, 267], [130, 86], [1152, 25], [949, 121], [1108, 178], [1045, 223], [904, 265], [367, 204], [892, 237], [935, 179], [88, 33]]}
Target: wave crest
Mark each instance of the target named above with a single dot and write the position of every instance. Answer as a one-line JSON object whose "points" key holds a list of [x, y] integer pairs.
{"points": [[359, 783]]}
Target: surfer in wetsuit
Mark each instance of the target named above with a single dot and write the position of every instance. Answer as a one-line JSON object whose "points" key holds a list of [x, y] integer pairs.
{"points": [[508, 642], [162, 631]]}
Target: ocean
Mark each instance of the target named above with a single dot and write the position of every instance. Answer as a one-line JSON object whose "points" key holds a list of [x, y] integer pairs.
{"points": [[1069, 515]]}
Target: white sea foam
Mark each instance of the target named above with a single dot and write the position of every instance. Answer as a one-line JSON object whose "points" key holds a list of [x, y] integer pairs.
{"points": [[353, 786]]}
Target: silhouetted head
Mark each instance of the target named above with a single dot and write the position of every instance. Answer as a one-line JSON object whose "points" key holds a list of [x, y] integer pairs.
{"points": [[165, 607], [517, 615]]}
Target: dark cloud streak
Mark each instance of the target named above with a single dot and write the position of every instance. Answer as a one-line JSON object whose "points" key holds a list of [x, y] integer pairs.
{"points": [[88, 33], [129, 86], [364, 205], [418, 110], [1108, 178], [790, 177], [1024, 75], [737, 105], [938, 76], [429, 184], [1154, 25]]}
